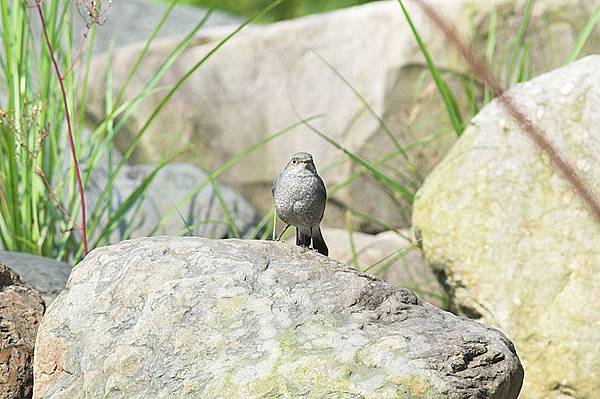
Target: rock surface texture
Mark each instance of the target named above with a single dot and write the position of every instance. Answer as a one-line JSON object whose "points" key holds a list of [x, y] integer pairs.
{"points": [[391, 256], [192, 317], [519, 249], [47, 276], [21, 311], [266, 76]]}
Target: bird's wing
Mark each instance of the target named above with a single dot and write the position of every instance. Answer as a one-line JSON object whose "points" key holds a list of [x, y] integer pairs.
{"points": [[322, 192], [321, 188]]}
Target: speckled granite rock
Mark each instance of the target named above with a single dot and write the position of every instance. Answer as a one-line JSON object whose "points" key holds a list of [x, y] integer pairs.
{"points": [[47, 276], [520, 250], [21, 310], [192, 317]]}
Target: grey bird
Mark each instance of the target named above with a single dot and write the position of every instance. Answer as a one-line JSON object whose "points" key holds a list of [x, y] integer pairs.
{"points": [[299, 195]]}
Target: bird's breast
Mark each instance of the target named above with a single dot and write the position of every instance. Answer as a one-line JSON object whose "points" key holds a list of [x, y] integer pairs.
{"points": [[298, 199]]}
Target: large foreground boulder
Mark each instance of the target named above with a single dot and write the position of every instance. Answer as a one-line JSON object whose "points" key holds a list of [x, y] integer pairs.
{"points": [[47, 276], [21, 311], [192, 317], [267, 76], [518, 247], [394, 257]]}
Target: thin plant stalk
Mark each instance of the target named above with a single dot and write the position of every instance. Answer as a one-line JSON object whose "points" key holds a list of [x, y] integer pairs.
{"points": [[69, 127]]}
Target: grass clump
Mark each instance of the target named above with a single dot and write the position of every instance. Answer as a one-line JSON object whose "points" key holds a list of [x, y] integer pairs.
{"points": [[43, 87]]}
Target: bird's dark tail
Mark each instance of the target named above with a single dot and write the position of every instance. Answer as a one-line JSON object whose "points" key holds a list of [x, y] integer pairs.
{"points": [[319, 242], [302, 239]]}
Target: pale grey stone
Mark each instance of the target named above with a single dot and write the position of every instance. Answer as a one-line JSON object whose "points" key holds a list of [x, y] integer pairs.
{"points": [[203, 215], [130, 21], [519, 249], [192, 317]]}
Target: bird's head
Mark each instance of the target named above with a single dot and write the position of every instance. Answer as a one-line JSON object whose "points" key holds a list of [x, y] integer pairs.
{"points": [[302, 160]]}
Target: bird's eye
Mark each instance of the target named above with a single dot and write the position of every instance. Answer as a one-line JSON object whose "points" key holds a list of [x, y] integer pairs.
{"points": [[294, 161]]}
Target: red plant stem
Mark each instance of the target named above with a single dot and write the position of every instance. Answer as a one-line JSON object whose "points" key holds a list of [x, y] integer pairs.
{"points": [[69, 128], [537, 135]]}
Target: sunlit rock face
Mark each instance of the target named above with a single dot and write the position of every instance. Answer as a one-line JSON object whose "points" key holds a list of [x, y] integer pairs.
{"points": [[193, 317], [518, 248], [269, 76]]}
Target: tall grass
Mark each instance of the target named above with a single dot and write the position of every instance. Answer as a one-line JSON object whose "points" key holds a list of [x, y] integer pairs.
{"points": [[41, 185], [38, 208]]}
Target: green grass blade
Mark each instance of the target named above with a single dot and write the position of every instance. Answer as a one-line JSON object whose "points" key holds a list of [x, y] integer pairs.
{"points": [[449, 100], [133, 198], [524, 72], [391, 257], [193, 69], [584, 35], [231, 227], [350, 230], [150, 40], [365, 103], [374, 171], [519, 41], [490, 49], [260, 226], [136, 140]]}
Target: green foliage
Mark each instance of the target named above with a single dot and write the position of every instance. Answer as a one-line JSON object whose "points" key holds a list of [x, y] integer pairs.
{"points": [[39, 198], [289, 9], [584, 35], [447, 96], [38, 202]]}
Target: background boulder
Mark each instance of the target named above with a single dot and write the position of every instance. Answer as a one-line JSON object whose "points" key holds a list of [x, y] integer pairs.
{"points": [[130, 21], [268, 76], [48, 276], [518, 248], [205, 214], [204, 318]]}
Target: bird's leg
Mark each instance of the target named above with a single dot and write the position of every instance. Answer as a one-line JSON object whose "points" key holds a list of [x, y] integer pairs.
{"points": [[281, 235]]}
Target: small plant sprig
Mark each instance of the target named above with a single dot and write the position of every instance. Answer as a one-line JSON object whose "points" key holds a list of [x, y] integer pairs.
{"points": [[60, 78]]}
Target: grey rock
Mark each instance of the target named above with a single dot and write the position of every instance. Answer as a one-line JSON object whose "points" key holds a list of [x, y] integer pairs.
{"points": [[47, 276], [516, 246], [21, 311], [203, 215], [394, 257], [129, 21], [192, 317]]}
